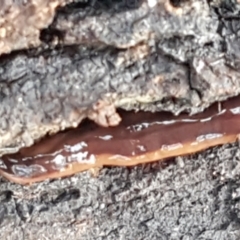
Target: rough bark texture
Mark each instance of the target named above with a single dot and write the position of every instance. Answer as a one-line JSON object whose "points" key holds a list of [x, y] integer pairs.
{"points": [[90, 58], [21, 22], [195, 198], [161, 57]]}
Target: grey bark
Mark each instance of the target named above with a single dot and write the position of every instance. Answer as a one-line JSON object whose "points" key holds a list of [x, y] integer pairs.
{"points": [[185, 59], [187, 198], [175, 56]]}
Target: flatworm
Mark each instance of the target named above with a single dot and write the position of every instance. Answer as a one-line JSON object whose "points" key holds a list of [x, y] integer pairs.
{"points": [[140, 138]]}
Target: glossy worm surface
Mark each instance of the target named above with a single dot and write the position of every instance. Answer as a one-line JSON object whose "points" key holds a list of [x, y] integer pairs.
{"points": [[141, 137]]}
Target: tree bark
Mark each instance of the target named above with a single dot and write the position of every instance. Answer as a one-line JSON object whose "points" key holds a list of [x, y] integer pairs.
{"points": [[62, 59], [162, 57]]}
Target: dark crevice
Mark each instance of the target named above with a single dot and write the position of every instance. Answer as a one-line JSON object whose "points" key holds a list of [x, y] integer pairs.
{"points": [[95, 7], [191, 75], [67, 195], [178, 3], [49, 34]]}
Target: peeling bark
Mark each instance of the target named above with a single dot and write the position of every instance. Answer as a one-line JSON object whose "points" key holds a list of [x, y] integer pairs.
{"points": [[21, 22]]}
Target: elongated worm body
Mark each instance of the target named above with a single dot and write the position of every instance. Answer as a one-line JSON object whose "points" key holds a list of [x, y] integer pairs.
{"points": [[140, 138]]}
